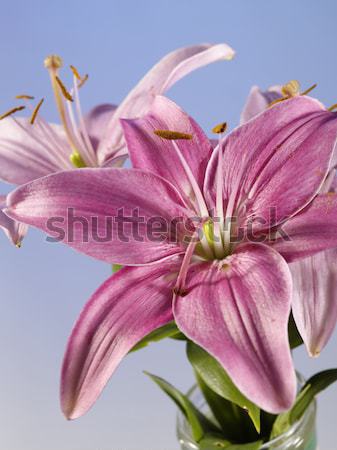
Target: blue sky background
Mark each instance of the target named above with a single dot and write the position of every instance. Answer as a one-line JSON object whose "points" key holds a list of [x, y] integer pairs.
{"points": [[44, 286]]}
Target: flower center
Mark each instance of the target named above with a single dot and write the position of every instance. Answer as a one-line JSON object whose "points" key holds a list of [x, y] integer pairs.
{"points": [[209, 240]]}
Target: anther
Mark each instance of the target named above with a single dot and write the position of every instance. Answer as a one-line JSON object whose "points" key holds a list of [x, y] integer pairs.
{"points": [[180, 292], [24, 97], [53, 62], [12, 111], [220, 128], [64, 91], [83, 80], [35, 112], [172, 135], [75, 72]]}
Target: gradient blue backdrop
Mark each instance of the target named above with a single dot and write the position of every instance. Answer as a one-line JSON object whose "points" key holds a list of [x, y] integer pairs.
{"points": [[43, 286]]}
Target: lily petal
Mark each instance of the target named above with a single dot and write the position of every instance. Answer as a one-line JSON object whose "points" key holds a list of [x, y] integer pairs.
{"points": [[15, 231], [258, 101], [238, 311], [97, 120], [158, 80], [127, 307], [104, 213], [150, 152], [30, 151], [314, 301], [263, 159], [312, 230]]}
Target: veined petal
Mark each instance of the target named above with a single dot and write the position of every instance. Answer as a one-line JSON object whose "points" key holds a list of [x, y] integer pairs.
{"points": [[15, 231], [127, 307], [312, 230], [238, 311], [109, 214], [30, 151], [314, 302], [150, 152], [276, 163], [258, 101], [159, 79], [96, 121]]}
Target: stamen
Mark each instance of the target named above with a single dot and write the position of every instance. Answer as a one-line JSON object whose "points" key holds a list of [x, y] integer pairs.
{"points": [[84, 79], [203, 211], [181, 280], [36, 110], [77, 160], [24, 97], [64, 89], [220, 128], [12, 111], [76, 73], [53, 62], [219, 226], [333, 107], [172, 135], [311, 88]]}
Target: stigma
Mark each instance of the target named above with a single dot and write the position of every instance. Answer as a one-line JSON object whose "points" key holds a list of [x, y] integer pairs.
{"points": [[292, 89], [53, 62]]}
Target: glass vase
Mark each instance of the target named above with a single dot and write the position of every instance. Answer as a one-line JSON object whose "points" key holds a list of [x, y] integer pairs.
{"points": [[301, 436]]}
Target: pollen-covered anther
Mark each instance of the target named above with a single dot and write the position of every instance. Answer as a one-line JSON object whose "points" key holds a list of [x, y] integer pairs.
{"points": [[12, 111], [36, 111], [53, 62], [181, 292], [172, 135], [225, 266], [75, 73], [24, 97], [64, 91], [84, 79], [220, 128]]}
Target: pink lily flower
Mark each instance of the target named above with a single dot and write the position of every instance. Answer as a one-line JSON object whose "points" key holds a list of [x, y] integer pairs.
{"points": [[31, 147], [232, 298], [314, 302]]}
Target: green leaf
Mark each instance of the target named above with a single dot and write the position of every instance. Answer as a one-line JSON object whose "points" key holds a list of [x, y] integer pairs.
{"points": [[312, 387], [169, 330], [295, 339], [116, 268], [216, 378], [198, 422], [234, 421], [214, 442]]}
